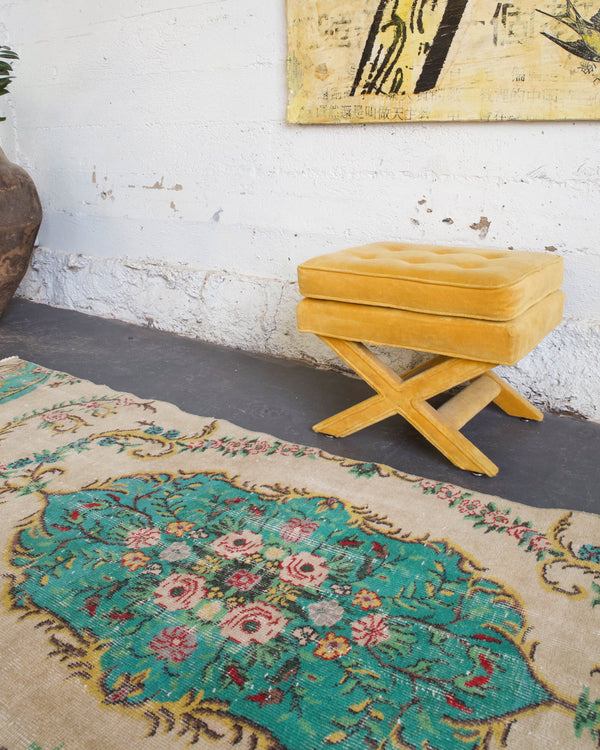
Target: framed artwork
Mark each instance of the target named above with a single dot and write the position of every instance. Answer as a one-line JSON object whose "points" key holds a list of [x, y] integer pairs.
{"points": [[392, 60]]}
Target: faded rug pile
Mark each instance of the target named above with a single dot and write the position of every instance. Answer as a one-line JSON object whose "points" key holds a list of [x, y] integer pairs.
{"points": [[172, 581]]}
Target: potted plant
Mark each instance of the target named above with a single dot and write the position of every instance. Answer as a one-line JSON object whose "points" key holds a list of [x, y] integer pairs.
{"points": [[20, 208]]}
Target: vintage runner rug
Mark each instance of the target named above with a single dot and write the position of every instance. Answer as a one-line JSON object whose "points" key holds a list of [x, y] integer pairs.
{"points": [[171, 581]]}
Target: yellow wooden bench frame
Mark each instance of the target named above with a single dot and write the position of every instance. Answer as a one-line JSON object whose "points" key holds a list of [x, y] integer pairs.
{"points": [[408, 395]]}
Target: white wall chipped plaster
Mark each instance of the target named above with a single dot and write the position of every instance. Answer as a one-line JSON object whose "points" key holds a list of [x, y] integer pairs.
{"points": [[175, 195]]}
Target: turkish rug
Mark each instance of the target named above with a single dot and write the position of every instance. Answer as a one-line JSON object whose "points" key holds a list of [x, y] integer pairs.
{"points": [[171, 581]]}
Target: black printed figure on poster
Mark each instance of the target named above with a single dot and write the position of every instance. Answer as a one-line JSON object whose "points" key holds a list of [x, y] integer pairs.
{"points": [[406, 54], [386, 68]]}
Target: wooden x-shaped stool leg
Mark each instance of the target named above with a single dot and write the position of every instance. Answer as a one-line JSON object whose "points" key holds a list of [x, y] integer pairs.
{"points": [[408, 394]]}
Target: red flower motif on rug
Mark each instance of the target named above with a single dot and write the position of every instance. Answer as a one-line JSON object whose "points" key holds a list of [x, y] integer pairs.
{"points": [[304, 569], [370, 630], [180, 591], [253, 623], [297, 529], [243, 580], [143, 537], [174, 644], [234, 545]]}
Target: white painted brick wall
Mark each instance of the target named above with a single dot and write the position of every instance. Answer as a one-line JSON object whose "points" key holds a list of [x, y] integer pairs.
{"points": [[175, 194]]}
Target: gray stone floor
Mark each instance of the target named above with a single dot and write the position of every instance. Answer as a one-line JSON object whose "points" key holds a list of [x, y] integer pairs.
{"points": [[555, 463]]}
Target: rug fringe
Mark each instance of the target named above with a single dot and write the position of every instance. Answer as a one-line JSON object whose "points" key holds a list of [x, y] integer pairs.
{"points": [[8, 359]]}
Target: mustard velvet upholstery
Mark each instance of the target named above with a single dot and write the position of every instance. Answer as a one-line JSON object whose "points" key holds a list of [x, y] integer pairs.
{"points": [[501, 342], [475, 309], [483, 284]]}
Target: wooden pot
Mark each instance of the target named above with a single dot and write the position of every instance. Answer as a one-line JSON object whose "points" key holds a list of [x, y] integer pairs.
{"points": [[20, 218]]}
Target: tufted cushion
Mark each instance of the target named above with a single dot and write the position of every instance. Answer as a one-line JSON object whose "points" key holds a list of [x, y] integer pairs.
{"points": [[500, 342], [482, 284]]}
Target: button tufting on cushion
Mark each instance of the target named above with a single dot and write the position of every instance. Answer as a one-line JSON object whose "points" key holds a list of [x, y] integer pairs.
{"points": [[483, 284]]}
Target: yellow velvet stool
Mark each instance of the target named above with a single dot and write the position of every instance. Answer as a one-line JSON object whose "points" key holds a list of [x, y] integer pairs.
{"points": [[474, 309]]}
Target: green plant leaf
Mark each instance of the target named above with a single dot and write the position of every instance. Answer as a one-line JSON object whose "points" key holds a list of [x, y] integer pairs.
{"points": [[7, 53]]}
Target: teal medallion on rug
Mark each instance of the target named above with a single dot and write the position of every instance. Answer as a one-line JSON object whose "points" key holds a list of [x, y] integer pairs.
{"points": [[189, 584]]}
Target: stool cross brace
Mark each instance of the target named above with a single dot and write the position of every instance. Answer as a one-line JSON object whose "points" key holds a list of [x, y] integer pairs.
{"points": [[408, 396]]}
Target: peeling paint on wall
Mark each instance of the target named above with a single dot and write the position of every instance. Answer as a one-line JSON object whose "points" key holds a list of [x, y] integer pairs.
{"points": [[160, 185], [482, 226], [157, 185]]}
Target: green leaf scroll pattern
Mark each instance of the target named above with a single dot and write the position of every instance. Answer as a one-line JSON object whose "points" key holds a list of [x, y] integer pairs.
{"points": [[281, 610], [18, 378], [587, 717]]}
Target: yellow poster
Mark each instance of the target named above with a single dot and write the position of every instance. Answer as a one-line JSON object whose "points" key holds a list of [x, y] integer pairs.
{"points": [[393, 60]]}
